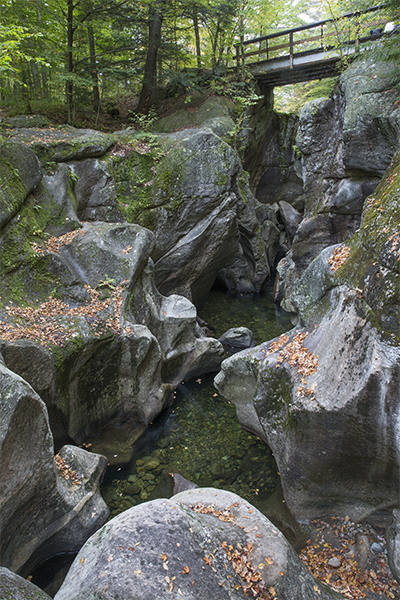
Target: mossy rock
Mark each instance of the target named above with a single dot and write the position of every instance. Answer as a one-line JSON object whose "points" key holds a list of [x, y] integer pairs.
{"points": [[20, 173], [213, 107], [15, 587], [65, 143], [26, 121]]}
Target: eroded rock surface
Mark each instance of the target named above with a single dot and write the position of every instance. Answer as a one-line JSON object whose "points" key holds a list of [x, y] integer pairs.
{"points": [[326, 396], [41, 510], [164, 547], [347, 143], [14, 587]]}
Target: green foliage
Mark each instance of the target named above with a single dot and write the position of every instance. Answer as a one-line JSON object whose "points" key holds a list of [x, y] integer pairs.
{"points": [[291, 98], [108, 42]]}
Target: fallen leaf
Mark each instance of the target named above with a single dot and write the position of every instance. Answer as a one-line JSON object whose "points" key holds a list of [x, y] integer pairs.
{"points": [[186, 569]]}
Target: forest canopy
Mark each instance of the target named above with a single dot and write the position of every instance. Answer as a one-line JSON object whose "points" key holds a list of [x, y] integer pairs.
{"points": [[88, 52]]}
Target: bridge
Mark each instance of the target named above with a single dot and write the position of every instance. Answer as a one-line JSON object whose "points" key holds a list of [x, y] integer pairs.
{"points": [[313, 51]]}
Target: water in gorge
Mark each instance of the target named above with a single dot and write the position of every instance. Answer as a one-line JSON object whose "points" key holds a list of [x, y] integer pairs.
{"points": [[199, 436]]}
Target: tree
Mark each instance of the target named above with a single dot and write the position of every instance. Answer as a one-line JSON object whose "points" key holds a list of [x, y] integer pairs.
{"points": [[148, 93]]}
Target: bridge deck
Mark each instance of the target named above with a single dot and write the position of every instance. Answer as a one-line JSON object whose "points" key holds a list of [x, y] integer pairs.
{"points": [[310, 51]]}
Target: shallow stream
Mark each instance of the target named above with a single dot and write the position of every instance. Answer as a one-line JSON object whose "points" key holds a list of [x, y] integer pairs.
{"points": [[199, 436]]}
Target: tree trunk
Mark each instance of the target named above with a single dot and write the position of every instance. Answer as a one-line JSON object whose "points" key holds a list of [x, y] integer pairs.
{"points": [[92, 54], [148, 95], [69, 88], [197, 36], [46, 91], [214, 45], [36, 80]]}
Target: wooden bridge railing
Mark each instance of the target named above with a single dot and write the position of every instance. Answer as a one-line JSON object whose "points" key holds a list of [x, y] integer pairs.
{"points": [[349, 29]]}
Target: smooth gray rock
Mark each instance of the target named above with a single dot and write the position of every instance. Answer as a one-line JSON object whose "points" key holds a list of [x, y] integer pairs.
{"points": [[393, 545], [205, 220], [14, 587], [237, 337], [291, 218], [328, 430], [106, 252], [41, 512], [125, 559], [187, 352], [95, 191], [20, 173], [350, 194]]}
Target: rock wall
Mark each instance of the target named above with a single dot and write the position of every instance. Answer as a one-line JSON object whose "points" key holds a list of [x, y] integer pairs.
{"points": [[326, 396], [88, 340], [45, 507], [347, 143]]}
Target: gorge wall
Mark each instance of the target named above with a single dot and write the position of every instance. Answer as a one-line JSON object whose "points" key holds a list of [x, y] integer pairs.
{"points": [[109, 242]]}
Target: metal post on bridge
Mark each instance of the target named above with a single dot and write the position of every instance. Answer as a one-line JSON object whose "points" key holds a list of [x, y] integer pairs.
{"points": [[357, 15], [291, 48]]}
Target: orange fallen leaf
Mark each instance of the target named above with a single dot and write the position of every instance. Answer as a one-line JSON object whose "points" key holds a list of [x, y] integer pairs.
{"points": [[186, 569]]}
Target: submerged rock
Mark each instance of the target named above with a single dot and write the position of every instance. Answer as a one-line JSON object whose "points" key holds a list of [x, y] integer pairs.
{"points": [[189, 545], [237, 337]]}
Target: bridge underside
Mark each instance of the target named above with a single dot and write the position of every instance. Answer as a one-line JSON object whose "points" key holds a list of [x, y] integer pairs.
{"points": [[306, 67]]}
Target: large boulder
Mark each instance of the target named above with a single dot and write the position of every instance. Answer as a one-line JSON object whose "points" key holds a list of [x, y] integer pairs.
{"points": [[14, 587], [46, 507], [65, 143], [189, 188], [326, 396], [115, 348], [197, 113], [201, 543]]}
